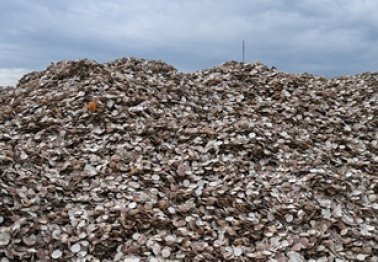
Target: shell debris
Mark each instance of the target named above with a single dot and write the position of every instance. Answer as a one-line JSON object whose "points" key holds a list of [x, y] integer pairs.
{"points": [[133, 160]]}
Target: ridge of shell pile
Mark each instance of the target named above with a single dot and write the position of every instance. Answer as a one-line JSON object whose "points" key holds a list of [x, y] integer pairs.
{"points": [[240, 162]]}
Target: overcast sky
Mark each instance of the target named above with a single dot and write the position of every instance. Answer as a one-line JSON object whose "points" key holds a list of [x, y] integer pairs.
{"points": [[327, 37]]}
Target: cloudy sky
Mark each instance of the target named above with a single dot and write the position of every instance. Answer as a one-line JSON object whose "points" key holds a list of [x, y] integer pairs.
{"points": [[327, 37]]}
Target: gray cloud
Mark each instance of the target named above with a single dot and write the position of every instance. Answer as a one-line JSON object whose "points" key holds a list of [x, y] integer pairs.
{"points": [[330, 37], [9, 77]]}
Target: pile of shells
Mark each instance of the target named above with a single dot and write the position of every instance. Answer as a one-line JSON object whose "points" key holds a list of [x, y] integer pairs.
{"points": [[135, 161]]}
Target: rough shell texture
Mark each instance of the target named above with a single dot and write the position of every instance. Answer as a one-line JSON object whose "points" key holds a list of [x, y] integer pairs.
{"points": [[239, 162]]}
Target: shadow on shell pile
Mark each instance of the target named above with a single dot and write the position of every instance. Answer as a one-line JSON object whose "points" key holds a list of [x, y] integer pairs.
{"points": [[239, 162]]}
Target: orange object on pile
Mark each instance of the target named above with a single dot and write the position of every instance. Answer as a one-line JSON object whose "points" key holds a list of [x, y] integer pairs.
{"points": [[92, 106]]}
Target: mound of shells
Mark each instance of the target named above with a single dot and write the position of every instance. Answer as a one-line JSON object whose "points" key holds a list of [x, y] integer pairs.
{"points": [[240, 162]]}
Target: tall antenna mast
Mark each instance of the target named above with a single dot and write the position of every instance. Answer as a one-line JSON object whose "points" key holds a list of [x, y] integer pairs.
{"points": [[243, 50]]}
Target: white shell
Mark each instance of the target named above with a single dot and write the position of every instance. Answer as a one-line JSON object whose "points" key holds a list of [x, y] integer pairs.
{"points": [[75, 248], [56, 254], [4, 238]]}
